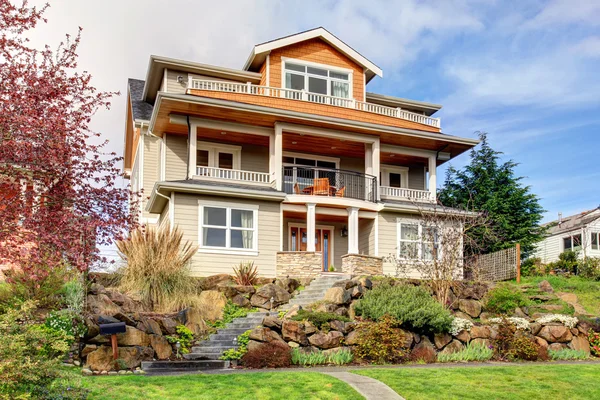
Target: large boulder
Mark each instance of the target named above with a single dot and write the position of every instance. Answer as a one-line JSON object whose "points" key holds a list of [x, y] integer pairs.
{"points": [[358, 291], [580, 343], [541, 342], [289, 284], [346, 283], [133, 337], [102, 358], [262, 297], [555, 334], [261, 334], [338, 326], [464, 336], [150, 326], [337, 295], [192, 319], [453, 347], [168, 325], [240, 301], [232, 291], [271, 321], [557, 346], [483, 332], [481, 342], [161, 347], [102, 304], [545, 286], [92, 328], [326, 340], [470, 290], [441, 340], [470, 307], [211, 304], [424, 351], [352, 338], [294, 331], [213, 281]]}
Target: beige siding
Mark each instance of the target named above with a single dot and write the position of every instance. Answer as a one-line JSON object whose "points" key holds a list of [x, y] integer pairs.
{"points": [[255, 158], [416, 178], [204, 264], [353, 164], [172, 85], [150, 172], [176, 157], [164, 215], [366, 236]]}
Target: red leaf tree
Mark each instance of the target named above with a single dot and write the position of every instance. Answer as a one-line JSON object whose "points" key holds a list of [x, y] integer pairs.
{"points": [[59, 195]]}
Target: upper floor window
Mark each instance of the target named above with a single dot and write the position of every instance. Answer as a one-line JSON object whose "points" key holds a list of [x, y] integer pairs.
{"points": [[218, 155], [319, 80], [572, 242]]}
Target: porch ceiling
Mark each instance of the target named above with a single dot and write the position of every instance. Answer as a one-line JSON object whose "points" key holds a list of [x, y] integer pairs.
{"points": [[226, 137], [294, 142], [402, 160]]}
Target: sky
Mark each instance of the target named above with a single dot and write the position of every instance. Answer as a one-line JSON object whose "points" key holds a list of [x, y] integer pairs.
{"points": [[525, 72]]}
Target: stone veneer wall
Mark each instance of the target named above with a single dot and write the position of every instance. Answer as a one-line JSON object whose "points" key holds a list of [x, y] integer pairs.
{"points": [[360, 264], [299, 264]]}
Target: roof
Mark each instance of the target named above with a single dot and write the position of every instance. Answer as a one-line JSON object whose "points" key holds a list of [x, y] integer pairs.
{"points": [[259, 53], [141, 110], [573, 222], [428, 108]]}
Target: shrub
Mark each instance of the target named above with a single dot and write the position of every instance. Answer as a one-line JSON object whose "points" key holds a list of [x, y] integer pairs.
{"points": [[567, 354], [594, 338], [319, 319], [589, 268], [413, 305], [519, 323], [523, 348], [67, 321], [569, 322], [318, 357], [236, 354], [531, 266], [74, 293], [231, 311], [245, 274], [268, 355], [472, 352], [503, 340], [45, 289], [382, 341], [567, 262], [184, 336], [504, 299], [157, 267], [30, 356]]}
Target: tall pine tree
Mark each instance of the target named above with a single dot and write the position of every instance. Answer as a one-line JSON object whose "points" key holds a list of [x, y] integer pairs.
{"points": [[489, 186]]}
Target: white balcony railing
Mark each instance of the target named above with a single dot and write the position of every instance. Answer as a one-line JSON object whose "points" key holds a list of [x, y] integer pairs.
{"points": [[248, 88], [235, 175], [406, 194]]}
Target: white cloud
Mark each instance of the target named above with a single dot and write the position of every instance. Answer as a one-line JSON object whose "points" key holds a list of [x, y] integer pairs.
{"points": [[562, 12], [588, 47]]}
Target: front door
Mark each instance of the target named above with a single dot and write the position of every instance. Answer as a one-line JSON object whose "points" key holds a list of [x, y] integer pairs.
{"points": [[323, 243]]}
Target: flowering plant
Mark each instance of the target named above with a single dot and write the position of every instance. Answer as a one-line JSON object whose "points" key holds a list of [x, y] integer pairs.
{"points": [[68, 322], [569, 322], [594, 338], [460, 324], [519, 323]]}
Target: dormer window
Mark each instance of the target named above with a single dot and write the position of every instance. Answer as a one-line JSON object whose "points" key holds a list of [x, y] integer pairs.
{"points": [[317, 79]]}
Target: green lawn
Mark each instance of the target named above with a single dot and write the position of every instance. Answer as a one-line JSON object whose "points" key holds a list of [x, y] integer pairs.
{"points": [[260, 385], [528, 382], [587, 291]]}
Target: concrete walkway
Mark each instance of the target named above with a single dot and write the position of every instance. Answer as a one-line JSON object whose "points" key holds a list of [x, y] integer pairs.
{"points": [[370, 388]]}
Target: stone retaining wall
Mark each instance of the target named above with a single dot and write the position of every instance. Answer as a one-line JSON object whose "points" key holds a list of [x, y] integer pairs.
{"points": [[360, 264], [299, 264]]}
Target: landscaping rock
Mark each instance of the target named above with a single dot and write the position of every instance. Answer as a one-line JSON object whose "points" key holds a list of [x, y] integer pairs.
{"points": [[550, 307], [470, 307], [150, 326], [262, 297], [253, 345], [441, 340], [294, 331], [352, 338], [309, 328], [482, 332], [580, 343], [464, 336], [485, 317], [519, 313], [555, 334], [481, 341], [326, 307], [133, 337], [545, 286], [326, 340], [92, 328], [102, 358], [212, 282], [88, 349], [341, 311], [557, 346], [125, 318], [161, 347], [541, 342], [535, 328], [271, 321], [262, 280], [240, 301], [211, 304], [352, 311], [266, 335], [424, 351], [453, 347], [460, 314], [365, 282], [358, 291], [192, 319], [346, 284], [337, 295], [102, 304], [168, 325], [87, 372], [288, 284], [107, 319], [338, 326], [292, 311], [293, 345]]}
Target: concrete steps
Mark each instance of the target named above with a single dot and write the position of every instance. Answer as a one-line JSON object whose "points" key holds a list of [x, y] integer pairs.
{"points": [[183, 365]]}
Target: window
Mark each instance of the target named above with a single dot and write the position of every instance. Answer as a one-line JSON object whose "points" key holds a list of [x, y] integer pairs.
{"points": [[319, 80], [417, 241], [572, 242], [217, 155], [305, 176], [595, 241], [395, 180], [228, 228], [394, 176]]}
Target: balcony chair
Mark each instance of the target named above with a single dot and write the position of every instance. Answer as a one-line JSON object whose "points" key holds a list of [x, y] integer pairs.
{"points": [[341, 192], [321, 186], [297, 188]]}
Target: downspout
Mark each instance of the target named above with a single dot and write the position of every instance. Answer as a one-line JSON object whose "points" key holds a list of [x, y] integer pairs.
{"points": [[165, 197], [187, 174]]}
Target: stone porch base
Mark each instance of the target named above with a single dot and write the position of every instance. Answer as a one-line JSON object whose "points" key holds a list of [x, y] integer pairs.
{"points": [[360, 264], [299, 264]]}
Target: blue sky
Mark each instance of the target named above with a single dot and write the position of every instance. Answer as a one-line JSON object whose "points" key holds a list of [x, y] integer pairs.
{"points": [[526, 72]]}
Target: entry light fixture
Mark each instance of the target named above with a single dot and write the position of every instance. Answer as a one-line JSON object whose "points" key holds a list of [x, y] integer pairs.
{"points": [[344, 231]]}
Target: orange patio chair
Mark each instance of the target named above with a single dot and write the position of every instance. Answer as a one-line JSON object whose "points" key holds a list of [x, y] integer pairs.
{"points": [[297, 188], [341, 192], [321, 186]]}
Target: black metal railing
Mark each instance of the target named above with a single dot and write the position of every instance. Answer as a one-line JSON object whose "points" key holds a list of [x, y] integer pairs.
{"points": [[317, 181]]}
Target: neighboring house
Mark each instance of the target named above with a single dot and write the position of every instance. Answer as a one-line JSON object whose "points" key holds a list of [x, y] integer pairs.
{"points": [[580, 232], [289, 162]]}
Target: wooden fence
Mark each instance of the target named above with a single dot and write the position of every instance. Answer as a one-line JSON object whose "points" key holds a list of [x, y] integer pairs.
{"points": [[501, 265]]}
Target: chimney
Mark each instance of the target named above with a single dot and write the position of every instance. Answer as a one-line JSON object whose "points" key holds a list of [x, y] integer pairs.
{"points": [[559, 219]]}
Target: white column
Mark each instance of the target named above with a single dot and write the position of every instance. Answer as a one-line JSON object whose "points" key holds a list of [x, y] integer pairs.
{"points": [[277, 162], [352, 230], [376, 162], [310, 226], [192, 145], [432, 176], [368, 169]]}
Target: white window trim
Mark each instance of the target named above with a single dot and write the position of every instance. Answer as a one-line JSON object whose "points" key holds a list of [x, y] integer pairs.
{"points": [[419, 240], [215, 148], [333, 68], [385, 175], [571, 235], [227, 250]]}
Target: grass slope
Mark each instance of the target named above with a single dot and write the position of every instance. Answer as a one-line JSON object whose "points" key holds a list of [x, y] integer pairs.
{"points": [[500, 383], [289, 386], [587, 291]]}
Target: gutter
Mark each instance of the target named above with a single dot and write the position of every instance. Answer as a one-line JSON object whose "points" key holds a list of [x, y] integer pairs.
{"points": [[186, 98]]}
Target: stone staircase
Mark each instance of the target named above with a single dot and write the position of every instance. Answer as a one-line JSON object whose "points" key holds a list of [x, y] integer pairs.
{"points": [[315, 291]]}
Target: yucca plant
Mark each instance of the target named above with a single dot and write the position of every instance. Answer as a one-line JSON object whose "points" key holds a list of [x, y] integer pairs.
{"points": [[157, 268], [245, 274]]}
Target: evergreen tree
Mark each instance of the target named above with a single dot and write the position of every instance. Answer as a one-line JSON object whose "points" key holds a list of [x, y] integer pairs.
{"points": [[489, 186]]}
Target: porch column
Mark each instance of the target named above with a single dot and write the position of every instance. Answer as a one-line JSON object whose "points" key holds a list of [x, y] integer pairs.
{"points": [[376, 162], [310, 226], [368, 167], [432, 176], [352, 230], [192, 145], [276, 156]]}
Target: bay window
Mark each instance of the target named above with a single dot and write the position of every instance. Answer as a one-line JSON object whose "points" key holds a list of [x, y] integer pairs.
{"points": [[228, 228], [320, 80]]}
